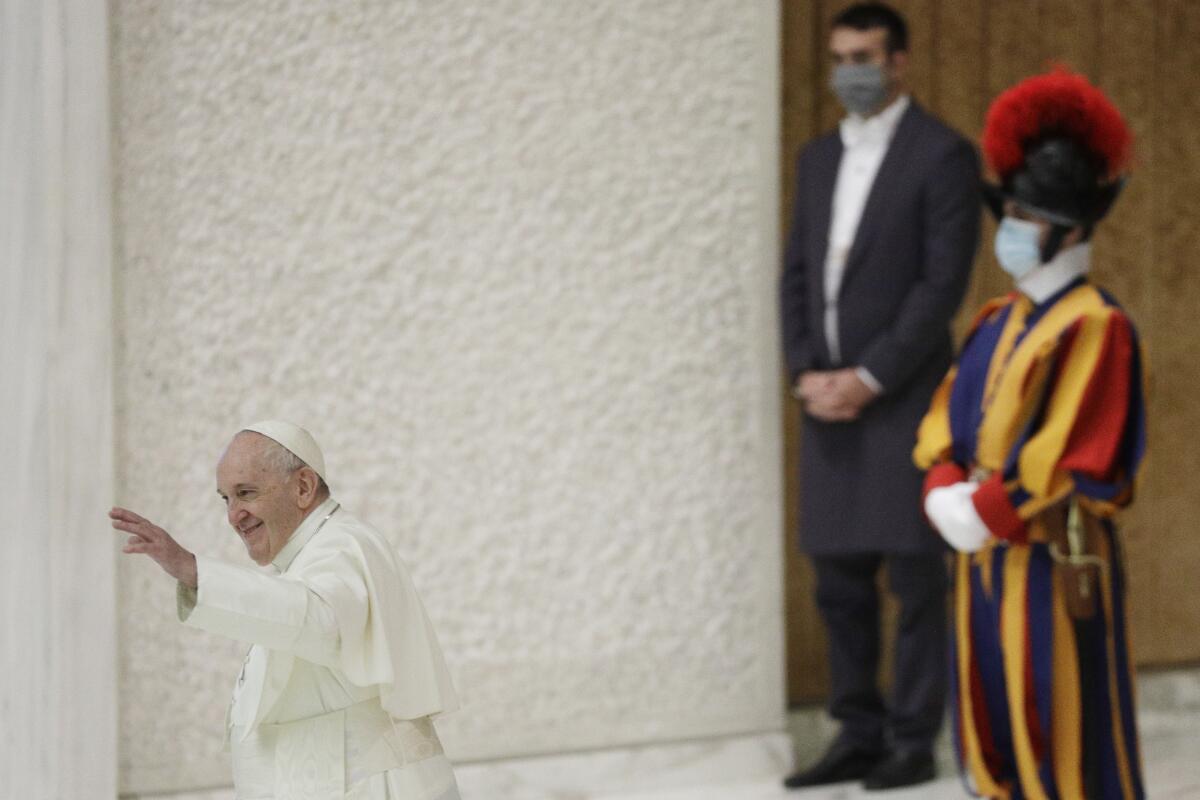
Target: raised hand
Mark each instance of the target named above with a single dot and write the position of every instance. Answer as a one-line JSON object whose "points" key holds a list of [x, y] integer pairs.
{"points": [[151, 540]]}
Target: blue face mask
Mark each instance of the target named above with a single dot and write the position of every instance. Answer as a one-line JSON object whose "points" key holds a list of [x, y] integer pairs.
{"points": [[1017, 247]]}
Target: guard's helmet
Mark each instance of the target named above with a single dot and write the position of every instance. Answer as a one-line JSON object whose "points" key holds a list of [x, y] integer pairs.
{"points": [[1060, 150]]}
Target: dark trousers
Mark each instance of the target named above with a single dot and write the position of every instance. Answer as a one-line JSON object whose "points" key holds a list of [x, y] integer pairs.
{"points": [[848, 599]]}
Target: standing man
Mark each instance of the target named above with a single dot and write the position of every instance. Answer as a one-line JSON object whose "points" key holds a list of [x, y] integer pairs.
{"points": [[344, 672], [884, 231]]}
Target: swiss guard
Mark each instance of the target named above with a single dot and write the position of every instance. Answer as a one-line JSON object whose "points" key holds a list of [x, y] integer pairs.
{"points": [[1032, 443]]}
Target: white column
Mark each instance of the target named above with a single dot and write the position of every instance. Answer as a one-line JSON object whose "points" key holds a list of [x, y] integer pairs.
{"points": [[58, 706]]}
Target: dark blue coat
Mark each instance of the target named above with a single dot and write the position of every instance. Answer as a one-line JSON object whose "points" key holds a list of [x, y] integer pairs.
{"points": [[905, 276]]}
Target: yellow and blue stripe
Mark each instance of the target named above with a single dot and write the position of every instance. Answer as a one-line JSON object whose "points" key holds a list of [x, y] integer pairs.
{"points": [[1047, 399]]}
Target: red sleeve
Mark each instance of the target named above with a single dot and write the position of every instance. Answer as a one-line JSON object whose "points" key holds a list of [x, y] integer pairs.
{"points": [[1095, 440], [947, 473], [996, 510]]}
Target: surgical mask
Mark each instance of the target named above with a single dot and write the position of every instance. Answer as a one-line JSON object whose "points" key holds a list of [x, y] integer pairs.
{"points": [[1017, 246], [861, 88]]}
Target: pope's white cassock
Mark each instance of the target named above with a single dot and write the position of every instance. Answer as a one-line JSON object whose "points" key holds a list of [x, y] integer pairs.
{"points": [[343, 674]]}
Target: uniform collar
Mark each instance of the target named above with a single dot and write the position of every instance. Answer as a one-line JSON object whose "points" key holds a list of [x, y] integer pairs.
{"points": [[877, 129], [1056, 274], [305, 531]]}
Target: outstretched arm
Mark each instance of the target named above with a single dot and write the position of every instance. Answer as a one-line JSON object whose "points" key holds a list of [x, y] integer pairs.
{"points": [[244, 604], [278, 612]]}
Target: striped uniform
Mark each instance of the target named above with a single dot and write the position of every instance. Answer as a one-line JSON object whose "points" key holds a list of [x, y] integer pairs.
{"points": [[1047, 400]]}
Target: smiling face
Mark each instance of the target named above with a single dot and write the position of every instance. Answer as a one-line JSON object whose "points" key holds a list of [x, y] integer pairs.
{"points": [[263, 504]]}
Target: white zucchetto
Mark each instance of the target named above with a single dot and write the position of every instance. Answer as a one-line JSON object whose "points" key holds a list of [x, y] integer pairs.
{"points": [[295, 439]]}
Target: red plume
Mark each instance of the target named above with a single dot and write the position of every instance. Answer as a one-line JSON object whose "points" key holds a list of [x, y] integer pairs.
{"points": [[1058, 103]]}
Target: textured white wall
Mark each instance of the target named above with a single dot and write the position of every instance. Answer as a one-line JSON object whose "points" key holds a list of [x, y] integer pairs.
{"points": [[512, 263]]}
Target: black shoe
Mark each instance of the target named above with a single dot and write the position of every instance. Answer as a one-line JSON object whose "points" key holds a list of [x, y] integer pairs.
{"points": [[840, 763], [901, 768]]}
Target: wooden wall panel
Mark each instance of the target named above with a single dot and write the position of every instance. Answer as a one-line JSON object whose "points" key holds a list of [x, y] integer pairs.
{"points": [[1069, 34], [1147, 56], [1126, 252], [1012, 44], [920, 44], [803, 51], [1166, 549], [961, 100], [1125, 247], [956, 88]]}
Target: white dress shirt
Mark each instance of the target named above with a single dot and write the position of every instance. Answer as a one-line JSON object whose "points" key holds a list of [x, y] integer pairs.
{"points": [[865, 141]]}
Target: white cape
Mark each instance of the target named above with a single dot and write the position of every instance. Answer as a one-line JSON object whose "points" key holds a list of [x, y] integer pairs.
{"points": [[383, 635]]}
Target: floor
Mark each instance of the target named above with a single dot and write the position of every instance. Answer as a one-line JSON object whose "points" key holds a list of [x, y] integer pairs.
{"points": [[1175, 777], [1171, 751], [1168, 720]]}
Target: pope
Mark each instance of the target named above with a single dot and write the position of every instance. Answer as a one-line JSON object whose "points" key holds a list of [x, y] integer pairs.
{"points": [[344, 671]]}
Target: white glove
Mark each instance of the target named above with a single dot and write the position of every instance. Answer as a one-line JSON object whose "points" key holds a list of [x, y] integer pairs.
{"points": [[951, 511]]}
